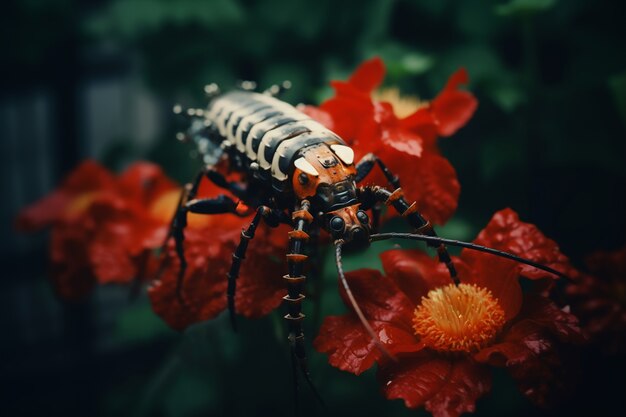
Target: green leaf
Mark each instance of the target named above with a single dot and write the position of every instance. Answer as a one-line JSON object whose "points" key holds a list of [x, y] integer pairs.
{"points": [[524, 7], [617, 85], [138, 324]]}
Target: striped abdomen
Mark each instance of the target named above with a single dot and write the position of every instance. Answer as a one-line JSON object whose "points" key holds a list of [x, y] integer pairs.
{"points": [[267, 131]]}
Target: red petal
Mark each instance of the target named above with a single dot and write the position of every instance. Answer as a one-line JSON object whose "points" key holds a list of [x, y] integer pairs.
{"points": [[414, 272], [348, 346], [369, 75], [520, 343], [144, 182], [351, 349], [318, 114], [423, 124], [88, 177], [349, 114], [446, 387], [501, 277], [430, 181], [260, 287], [545, 313], [379, 298], [460, 77], [610, 266], [530, 351], [204, 289], [403, 141], [453, 110], [506, 232], [71, 274], [111, 263]]}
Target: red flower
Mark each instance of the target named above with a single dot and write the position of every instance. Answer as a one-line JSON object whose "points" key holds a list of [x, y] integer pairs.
{"points": [[444, 337], [100, 225], [599, 297], [407, 145], [209, 244]]}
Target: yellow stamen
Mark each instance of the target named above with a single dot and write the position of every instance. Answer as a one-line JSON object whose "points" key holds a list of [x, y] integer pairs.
{"points": [[403, 106], [458, 319]]}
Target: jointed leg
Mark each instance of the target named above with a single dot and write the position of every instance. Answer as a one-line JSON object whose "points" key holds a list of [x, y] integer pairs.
{"points": [[273, 218], [397, 200], [295, 280], [363, 168], [366, 164], [371, 195], [188, 203]]}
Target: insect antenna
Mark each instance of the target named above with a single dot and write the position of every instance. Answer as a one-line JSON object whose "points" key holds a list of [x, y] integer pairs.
{"points": [[355, 305], [468, 245]]}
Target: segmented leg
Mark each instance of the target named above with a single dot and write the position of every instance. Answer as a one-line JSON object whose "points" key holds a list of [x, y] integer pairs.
{"points": [[295, 280], [366, 164], [396, 199], [188, 203], [363, 168], [371, 195], [232, 186], [273, 218]]}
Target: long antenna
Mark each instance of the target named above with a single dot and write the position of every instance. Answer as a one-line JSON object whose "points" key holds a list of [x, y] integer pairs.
{"points": [[355, 305], [468, 245]]}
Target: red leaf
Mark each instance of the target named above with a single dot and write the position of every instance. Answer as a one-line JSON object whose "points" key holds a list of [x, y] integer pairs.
{"points": [[446, 387]]}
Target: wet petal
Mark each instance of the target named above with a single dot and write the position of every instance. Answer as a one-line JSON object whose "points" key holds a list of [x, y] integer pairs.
{"points": [[446, 387], [414, 272], [379, 298], [350, 348], [506, 232]]}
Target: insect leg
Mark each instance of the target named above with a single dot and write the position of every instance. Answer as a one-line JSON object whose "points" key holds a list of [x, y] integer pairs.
{"points": [[295, 280], [234, 187], [272, 218], [365, 166], [414, 218], [217, 205]]}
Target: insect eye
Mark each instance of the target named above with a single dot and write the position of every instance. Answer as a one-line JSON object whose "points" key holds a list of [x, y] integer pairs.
{"points": [[303, 178], [362, 216], [337, 224]]}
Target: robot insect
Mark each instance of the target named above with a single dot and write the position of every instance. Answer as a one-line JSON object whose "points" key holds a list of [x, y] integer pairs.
{"points": [[299, 173]]}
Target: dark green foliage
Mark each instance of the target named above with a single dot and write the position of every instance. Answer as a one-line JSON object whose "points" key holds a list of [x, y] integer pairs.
{"points": [[547, 140]]}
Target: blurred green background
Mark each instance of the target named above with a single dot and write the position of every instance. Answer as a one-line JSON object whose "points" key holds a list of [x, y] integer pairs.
{"points": [[98, 79]]}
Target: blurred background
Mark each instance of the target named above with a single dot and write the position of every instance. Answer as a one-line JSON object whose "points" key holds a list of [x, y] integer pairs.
{"points": [[97, 79]]}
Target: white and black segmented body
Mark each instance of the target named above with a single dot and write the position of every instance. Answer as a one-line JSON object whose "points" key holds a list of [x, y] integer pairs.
{"points": [[260, 129]]}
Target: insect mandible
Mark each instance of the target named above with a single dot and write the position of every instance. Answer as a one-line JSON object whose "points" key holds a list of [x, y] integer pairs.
{"points": [[297, 172]]}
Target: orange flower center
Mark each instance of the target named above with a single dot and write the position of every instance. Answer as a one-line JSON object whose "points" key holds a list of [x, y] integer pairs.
{"points": [[458, 319]]}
